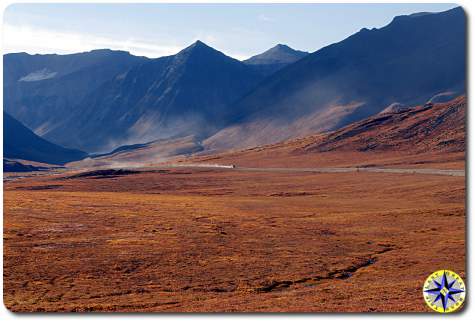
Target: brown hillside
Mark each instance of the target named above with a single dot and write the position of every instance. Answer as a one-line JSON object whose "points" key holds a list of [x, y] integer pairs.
{"points": [[432, 127]]}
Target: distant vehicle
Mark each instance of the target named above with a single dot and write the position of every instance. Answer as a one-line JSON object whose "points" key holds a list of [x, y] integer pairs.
{"points": [[428, 105], [233, 166]]}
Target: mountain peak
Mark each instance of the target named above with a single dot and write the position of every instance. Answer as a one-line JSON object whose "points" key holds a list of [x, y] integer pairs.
{"points": [[282, 47], [199, 50], [279, 54], [198, 45]]}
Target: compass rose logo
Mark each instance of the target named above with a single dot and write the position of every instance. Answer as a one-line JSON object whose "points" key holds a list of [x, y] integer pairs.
{"points": [[444, 291]]}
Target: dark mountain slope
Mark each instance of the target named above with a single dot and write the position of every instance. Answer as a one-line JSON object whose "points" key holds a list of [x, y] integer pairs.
{"points": [[19, 142], [408, 61], [15, 166], [41, 90], [187, 93]]}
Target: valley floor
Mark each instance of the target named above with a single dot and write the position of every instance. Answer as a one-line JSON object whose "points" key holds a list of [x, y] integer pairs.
{"points": [[212, 240]]}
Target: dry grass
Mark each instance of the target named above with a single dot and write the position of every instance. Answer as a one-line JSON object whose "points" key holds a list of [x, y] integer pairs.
{"points": [[202, 240]]}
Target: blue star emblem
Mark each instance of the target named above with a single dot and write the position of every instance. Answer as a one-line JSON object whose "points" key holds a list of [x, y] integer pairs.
{"points": [[444, 291]]}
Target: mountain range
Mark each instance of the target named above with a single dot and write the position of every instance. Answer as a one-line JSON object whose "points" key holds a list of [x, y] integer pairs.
{"points": [[125, 99], [407, 62], [101, 100]]}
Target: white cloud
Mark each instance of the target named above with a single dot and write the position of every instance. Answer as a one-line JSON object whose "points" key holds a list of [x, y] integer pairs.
{"points": [[42, 41]]}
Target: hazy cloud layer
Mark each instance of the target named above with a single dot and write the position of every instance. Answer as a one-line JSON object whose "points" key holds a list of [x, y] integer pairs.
{"points": [[34, 40]]}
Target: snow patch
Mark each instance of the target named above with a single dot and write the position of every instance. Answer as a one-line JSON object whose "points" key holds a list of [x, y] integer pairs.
{"points": [[38, 75]]}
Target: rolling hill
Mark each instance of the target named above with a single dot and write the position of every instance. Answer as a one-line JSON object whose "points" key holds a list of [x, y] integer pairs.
{"points": [[427, 128]]}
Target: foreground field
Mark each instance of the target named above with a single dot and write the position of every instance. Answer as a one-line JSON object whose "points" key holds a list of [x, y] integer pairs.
{"points": [[224, 240]]}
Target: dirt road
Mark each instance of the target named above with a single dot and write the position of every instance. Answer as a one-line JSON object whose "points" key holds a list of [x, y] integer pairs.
{"points": [[456, 173]]}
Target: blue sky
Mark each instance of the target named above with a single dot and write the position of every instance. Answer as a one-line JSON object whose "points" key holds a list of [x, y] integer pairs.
{"points": [[154, 30]]}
